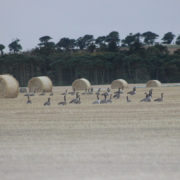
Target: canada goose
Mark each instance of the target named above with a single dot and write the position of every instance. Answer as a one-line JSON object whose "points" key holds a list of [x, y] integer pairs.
{"points": [[85, 92], [127, 98], [43, 93], [150, 92], [98, 101], [75, 99], [78, 100], [108, 90], [119, 91], [148, 98], [98, 91], [47, 103], [159, 99], [109, 100], [73, 92], [28, 100], [105, 94], [104, 101], [64, 102], [27, 94], [116, 95], [133, 92], [144, 99]]}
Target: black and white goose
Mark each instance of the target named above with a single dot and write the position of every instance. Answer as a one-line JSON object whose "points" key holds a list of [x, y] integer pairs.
{"points": [[63, 102], [160, 99], [48, 102], [133, 92]]}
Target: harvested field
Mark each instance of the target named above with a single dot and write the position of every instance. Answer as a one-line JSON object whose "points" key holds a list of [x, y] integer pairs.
{"points": [[115, 141]]}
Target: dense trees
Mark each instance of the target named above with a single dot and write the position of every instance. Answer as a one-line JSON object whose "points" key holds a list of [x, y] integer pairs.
{"points": [[136, 58]]}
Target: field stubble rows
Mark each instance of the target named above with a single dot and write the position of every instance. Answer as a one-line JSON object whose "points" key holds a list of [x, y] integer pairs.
{"points": [[109, 141]]}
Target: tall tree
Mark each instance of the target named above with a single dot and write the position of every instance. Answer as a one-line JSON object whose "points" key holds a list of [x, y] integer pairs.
{"points": [[15, 46], [66, 43], [44, 40], [113, 40], [85, 41], [178, 40], [168, 38], [129, 40], [2, 47], [101, 42], [149, 37]]}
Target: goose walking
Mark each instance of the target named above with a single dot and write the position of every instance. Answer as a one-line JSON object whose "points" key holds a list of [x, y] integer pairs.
{"points": [[159, 99], [64, 102], [47, 103]]}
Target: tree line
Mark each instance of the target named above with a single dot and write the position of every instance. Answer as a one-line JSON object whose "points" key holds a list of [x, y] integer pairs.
{"points": [[136, 58]]}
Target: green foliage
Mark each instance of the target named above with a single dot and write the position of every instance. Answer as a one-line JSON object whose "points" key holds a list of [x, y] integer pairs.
{"points": [[100, 60], [168, 38], [178, 40], [149, 37], [15, 46], [2, 47]]}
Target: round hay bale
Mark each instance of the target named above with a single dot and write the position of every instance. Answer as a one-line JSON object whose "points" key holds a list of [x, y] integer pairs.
{"points": [[81, 84], [9, 86], [41, 83], [119, 83], [153, 83]]}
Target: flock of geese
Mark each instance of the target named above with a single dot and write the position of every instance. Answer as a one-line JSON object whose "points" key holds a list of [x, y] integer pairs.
{"points": [[108, 96]]}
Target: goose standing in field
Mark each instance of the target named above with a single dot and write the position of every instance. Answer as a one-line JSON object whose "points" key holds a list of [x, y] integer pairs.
{"points": [[117, 95], [150, 92], [109, 101], [73, 92], [133, 92], [104, 101], [85, 92], [98, 101], [119, 91], [148, 98], [98, 91], [47, 103], [63, 102], [43, 93], [127, 99], [160, 99], [78, 100], [75, 99], [28, 100]]}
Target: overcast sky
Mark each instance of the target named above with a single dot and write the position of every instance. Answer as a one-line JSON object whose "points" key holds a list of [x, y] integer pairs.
{"points": [[30, 19]]}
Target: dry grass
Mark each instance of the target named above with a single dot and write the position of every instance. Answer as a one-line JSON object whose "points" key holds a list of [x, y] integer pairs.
{"points": [[111, 141]]}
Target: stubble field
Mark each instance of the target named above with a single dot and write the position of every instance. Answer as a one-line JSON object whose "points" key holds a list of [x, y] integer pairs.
{"points": [[91, 142]]}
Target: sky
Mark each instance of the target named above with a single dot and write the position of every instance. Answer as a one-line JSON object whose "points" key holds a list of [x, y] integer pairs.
{"points": [[28, 20]]}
